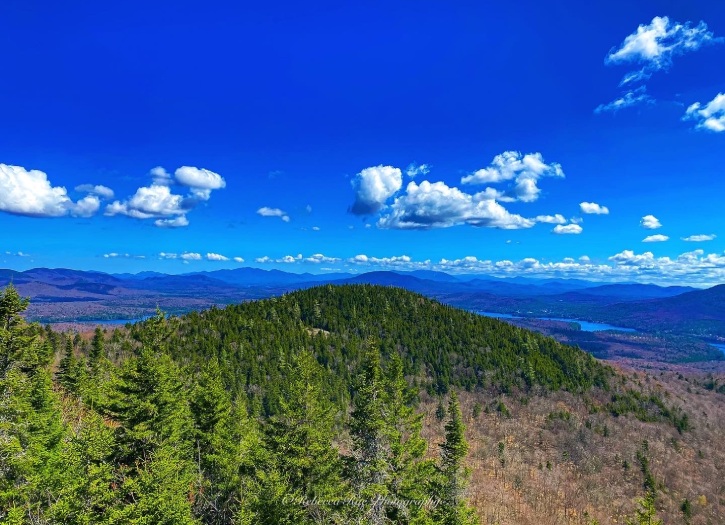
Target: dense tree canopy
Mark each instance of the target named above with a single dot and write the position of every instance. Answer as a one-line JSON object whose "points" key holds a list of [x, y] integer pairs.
{"points": [[294, 410]]}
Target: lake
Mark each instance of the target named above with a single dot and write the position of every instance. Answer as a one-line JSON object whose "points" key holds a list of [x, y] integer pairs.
{"points": [[586, 326], [719, 346]]}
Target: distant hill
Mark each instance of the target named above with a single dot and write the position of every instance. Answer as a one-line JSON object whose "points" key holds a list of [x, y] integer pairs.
{"points": [[66, 294], [700, 312]]}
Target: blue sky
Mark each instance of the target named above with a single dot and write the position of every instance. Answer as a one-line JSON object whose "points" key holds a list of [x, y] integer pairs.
{"points": [[510, 138]]}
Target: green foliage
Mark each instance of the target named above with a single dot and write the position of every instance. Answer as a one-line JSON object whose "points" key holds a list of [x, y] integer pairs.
{"points": [[452, 508], [274, 412], [646, 514]]}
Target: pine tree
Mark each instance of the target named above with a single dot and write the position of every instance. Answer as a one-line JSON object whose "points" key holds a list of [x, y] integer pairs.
{"points": [[219, 435], [303, 466], [646, 514], [31, 425], [409, 474], [19, 346], [369, 471], [452, 508], [72, 372]]}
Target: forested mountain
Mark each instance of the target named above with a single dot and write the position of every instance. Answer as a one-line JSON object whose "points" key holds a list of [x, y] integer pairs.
{"points": [[299, 409]]}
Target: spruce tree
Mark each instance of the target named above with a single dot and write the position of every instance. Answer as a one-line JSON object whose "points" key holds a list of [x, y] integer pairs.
{"points": [[369, 469], [304, 467], [219, 435], [452, 508]]}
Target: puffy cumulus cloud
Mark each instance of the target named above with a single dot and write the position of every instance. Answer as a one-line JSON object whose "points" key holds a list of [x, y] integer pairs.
{"points": [[86, 207], [98, 190], [593, 208], [266, 211], [709, 117], [413, 170], [155, 201], [656, 238], [315, 228], [628, 257], [165, 255], [200, 180], [190, 256], [160, 176], [523, 170], [551, 219], [654, 45], [238, 260], [216, 257], [30, 193], [569, 229], [650, 222], [373, 187], [318, 258], [699, 238], [160, 203], [436, 205], [627, 99]]}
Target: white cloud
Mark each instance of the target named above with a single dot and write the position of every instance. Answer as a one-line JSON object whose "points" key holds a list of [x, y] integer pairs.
{"points": [[287, 259], [318, 258], [158, 202], [315, 228], [190, 256], [593, 208], [699, 238], [412, 170], [650, 222], [273, 212], [654, 45], [437, 205], [86, 207], [551, 219], [216, 257], [523, 170], [656, 238], [628, 99], [571, 229], [397, 261], [150, 202], [709, 117], [238, 259], [177, 222], [691, 268], [629, 258], [160, 176], [29, 192], [98, 190], [373, 187], [164, 255], [199, 178]]}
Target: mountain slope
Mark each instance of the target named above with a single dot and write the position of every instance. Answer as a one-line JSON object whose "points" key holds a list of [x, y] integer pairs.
{"points": [[700, 312]]}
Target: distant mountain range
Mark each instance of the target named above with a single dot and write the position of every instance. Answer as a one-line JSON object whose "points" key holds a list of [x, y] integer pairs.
{"points": [[70, 295]]}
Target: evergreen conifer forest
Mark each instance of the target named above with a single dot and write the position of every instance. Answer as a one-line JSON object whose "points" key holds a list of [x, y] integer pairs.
{"points": [[353, 404]]}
